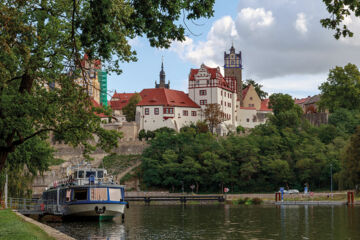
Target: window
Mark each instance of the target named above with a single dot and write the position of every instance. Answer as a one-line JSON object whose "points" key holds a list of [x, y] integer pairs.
{"points": [[147, 111], [115, 194], [98, 194], [251, 105], [168, 110], [80, 194], [100, 174], [203, 102], [221, 92], [251, 98], [193, 113], [185, 113], [202, 92], [90, 173], [156, 111], [221, 102], [229, 104], [247, 120]]}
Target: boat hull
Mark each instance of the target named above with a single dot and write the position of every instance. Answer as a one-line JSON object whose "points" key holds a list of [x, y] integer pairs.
{"points": [[93, 211]]}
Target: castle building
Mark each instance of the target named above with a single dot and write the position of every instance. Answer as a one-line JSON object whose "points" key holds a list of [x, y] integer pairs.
{"points": [[233, 68], [161, 107], [208, 86], [95, 80], [162, 83]]}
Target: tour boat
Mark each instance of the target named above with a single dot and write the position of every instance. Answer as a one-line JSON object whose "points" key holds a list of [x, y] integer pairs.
{"points": [[87, 193]]}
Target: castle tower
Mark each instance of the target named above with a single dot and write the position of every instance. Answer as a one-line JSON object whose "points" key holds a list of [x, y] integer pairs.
{"points": [[162, 78], [233, 68]]}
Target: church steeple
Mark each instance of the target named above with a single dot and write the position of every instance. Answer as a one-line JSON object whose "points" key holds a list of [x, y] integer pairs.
{"points": [[162, 83]]}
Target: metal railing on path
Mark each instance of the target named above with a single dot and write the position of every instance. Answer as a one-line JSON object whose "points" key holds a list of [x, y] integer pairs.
{"points": [[34, 206]]}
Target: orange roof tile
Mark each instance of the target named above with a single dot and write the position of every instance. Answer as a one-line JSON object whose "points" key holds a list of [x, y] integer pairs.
{"points": [[97, 105], [165, 97], [265, 105]]}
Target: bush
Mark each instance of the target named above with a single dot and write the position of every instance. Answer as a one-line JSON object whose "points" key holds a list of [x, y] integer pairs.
{"points": [[256, 201], [142, 134]]}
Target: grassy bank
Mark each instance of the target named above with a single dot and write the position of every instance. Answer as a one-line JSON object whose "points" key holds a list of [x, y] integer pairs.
{"points": [[116, 164], [12, 227]]}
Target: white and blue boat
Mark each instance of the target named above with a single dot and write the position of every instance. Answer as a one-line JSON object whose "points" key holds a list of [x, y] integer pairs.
{"points": [[87, 193]]}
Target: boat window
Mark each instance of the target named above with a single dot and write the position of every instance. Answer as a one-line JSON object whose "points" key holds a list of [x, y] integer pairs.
{"points": [[115, 194], [80, 194], [89, 173], [81, 174], [98, 194], [100, 174]]}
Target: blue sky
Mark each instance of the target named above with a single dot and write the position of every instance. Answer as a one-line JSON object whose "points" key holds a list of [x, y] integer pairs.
{"points": [[283, 44]]}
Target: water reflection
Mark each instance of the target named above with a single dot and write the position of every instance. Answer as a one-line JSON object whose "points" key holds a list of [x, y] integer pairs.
{"points": [[223, 222]]}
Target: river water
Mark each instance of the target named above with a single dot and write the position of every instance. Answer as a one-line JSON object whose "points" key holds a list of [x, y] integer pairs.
{"points": [[223, 222]]}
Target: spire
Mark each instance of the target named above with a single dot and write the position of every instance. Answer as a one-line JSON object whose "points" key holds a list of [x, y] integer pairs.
{"points": [[232, 49], [162, 72]]}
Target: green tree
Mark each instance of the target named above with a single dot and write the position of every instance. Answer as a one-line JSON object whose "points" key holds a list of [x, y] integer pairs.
{"points": [[130, 109], [339, 10], [351, 161], [213, 115], [262, 94], [342, 89], [41, 42], [286, 112]]}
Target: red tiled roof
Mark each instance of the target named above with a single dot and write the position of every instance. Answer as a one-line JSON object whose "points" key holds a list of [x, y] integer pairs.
{"points": [[97, 62], [301, 101], [244, 92], [165, 97], [97, 105], [210, 70], [122, 100], [122, 96], [265, 105]]}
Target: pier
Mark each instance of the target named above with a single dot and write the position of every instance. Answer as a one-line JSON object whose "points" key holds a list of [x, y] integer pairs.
{"points": [[181, 198]]}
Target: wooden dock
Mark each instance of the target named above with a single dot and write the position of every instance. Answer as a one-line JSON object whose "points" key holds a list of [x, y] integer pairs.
{"points": [[181, 198]]}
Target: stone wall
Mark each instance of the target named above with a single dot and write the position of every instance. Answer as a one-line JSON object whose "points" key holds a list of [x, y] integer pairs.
{"points": [[317, 119]]}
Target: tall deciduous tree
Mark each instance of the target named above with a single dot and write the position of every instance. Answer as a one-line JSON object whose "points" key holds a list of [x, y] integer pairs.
{"points": [[286, 112], [342, 89], [130, 109], [351, 161], [213, 115], [41, 42]]}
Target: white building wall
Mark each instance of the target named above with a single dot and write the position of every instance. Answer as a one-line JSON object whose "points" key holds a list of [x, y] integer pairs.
{"points": [[176, 120]]}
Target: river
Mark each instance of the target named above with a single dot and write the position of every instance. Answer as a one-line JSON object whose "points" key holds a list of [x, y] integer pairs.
{"points": [[223, 222]]}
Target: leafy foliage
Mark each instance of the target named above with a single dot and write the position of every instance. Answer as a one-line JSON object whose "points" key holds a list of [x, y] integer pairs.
{"points": [[342, 89], [339, 10], [213, 115], [130, 109], [41, 44], [286, 151]]}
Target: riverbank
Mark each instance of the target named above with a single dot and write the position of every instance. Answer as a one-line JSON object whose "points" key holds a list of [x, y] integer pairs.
{"points": [[14, 226]]}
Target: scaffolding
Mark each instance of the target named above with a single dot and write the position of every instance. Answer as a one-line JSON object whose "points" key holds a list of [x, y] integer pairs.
{"points": [[102, 76]]}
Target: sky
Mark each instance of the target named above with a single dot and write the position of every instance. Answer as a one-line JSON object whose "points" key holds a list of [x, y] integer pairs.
{"points": [[283, 47]]}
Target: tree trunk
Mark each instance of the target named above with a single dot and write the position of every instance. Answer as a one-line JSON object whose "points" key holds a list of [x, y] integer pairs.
{"points": [[197, 187], [3, 157]]}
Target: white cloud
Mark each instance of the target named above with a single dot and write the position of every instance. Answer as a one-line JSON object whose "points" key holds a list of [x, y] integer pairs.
{"points": [[301, 24], [219, 37], [267, 33], [256, 18]]}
